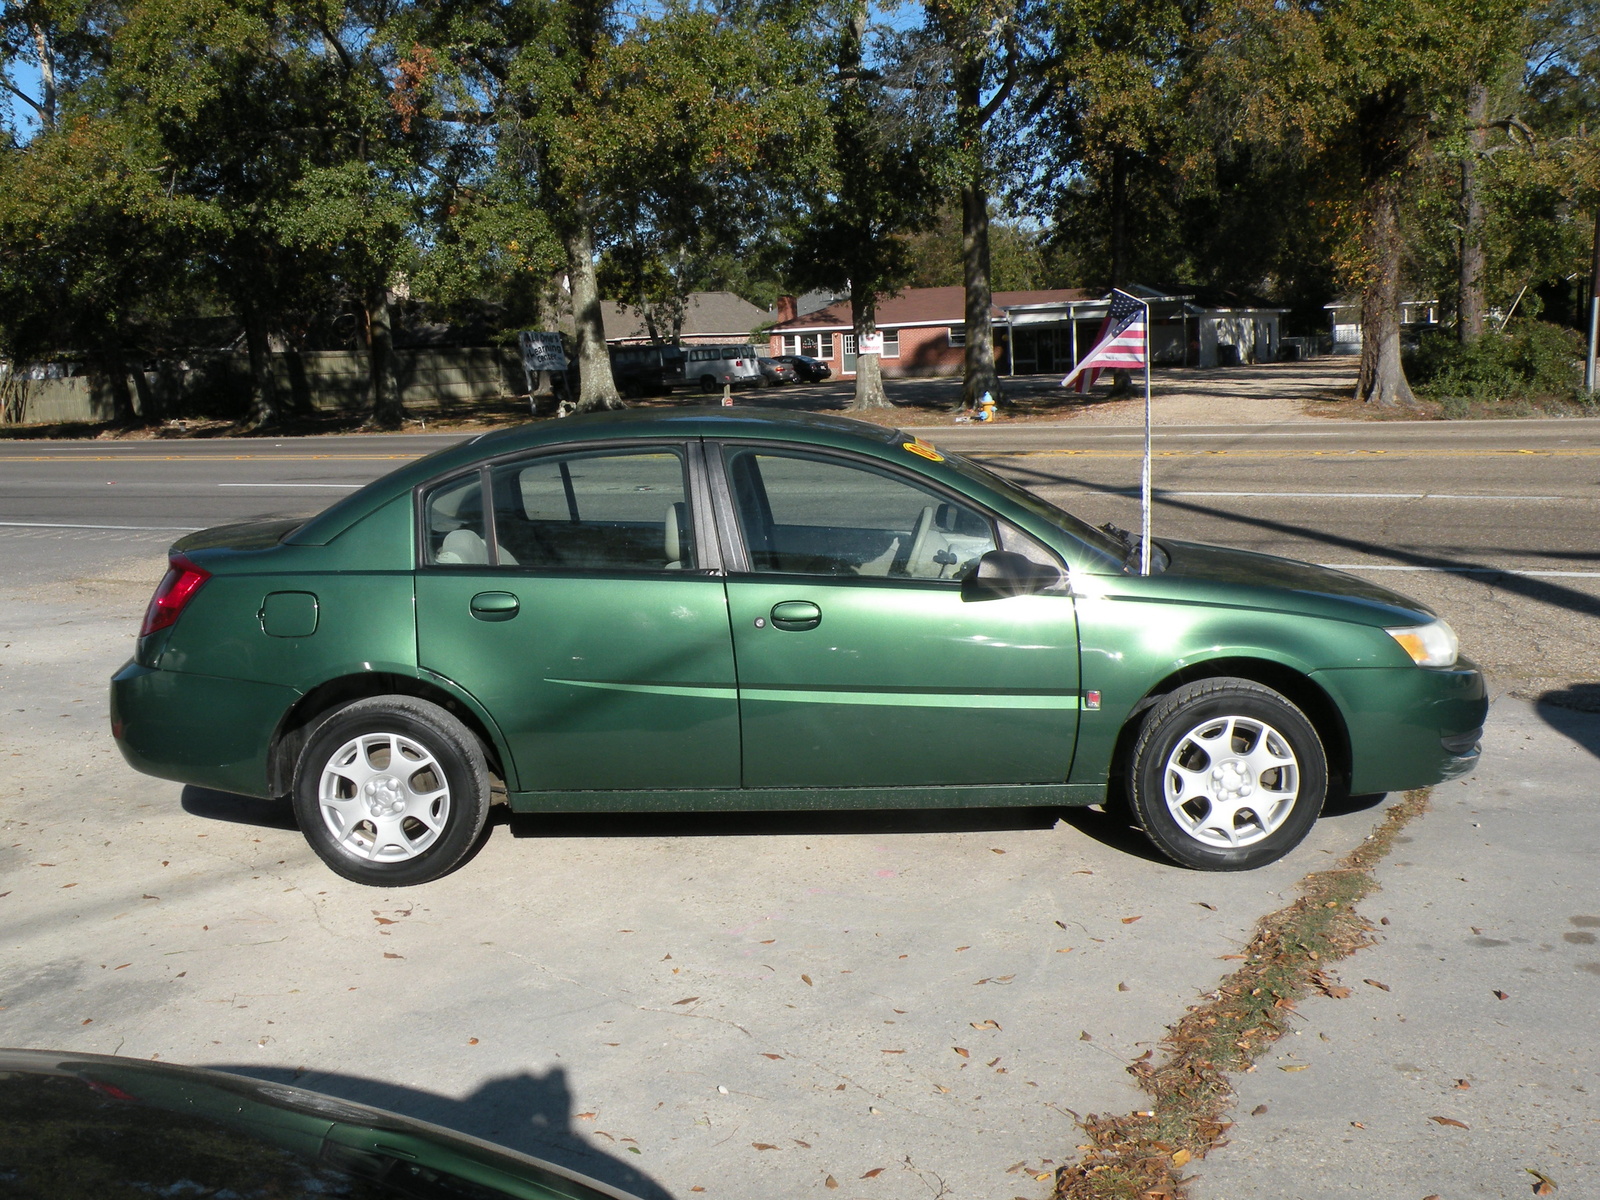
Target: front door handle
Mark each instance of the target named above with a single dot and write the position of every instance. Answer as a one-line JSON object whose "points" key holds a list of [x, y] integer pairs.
{"points": [[495, 606], [796, 615]]}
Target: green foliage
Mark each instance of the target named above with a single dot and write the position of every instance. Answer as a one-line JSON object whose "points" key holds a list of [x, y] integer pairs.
{"points": [[1530, 360]]}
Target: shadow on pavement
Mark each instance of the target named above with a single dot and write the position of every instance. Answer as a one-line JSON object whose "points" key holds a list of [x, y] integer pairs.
{"points": [[1574, 711], [526, 1111], [237, 810], [780, 824]]}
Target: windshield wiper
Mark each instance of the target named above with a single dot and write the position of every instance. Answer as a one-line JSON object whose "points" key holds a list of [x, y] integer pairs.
{"points": [[1131, 542]]}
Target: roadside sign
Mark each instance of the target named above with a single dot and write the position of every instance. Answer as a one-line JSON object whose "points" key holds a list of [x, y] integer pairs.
{"points": [[870, 343], [541, 351]]}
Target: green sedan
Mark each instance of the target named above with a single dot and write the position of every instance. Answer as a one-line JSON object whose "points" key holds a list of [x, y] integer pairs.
{"points": [[724, 609]]}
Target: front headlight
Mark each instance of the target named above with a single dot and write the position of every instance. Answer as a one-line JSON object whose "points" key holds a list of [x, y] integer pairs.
{"points": [[1432, 645]]}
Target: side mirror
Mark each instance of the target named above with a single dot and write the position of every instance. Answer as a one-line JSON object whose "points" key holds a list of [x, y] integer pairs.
{"points": [[1002, 573]]}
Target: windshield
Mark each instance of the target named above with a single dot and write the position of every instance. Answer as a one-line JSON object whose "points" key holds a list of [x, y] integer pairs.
{"points": [[1106, 544]]}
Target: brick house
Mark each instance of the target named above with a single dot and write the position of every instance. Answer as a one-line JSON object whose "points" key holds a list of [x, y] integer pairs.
{"points": [[708, 318], [924, 329]]}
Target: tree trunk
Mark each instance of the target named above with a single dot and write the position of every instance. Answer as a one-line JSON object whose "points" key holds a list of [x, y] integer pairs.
{"points": [[47, 75], [869, 371], [1469, 301], [263, 396], [596, 387], [981, 375], [387, 410], [1383, 378]]}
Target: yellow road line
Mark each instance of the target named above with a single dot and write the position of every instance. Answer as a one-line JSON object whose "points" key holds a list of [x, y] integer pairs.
{"points": [[1588, 452]]}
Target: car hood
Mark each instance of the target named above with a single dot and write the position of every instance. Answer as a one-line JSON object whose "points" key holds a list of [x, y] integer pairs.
{"points": [[1246, 569]]}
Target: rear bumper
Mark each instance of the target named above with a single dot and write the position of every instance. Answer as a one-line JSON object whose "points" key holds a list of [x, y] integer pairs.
{"points": [[197, 729], [1409, 726]]}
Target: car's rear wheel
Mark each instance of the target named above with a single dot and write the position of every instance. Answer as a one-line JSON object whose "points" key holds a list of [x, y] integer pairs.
{"points": [[392, 791], [707, 384], [1227, 775]]}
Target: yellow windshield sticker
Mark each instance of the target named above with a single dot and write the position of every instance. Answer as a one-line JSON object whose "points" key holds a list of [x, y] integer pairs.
{"points": [[918, 446]]}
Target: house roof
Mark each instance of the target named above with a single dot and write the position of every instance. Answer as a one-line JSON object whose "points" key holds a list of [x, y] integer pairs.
{"points": [[705, 314], [926, 306]]}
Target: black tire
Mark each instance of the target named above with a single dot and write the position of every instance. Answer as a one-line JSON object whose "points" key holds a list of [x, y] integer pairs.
{"points": [[707, 384], [396, 829], [1272, 754]]}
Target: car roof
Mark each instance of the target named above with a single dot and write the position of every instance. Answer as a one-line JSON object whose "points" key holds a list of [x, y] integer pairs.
{"points": [[711, 421]]}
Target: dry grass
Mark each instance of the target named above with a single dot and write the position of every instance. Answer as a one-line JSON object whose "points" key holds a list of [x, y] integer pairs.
{"points": [[1142, 1155]]}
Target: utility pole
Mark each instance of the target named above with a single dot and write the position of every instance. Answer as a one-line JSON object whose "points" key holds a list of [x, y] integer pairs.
{"points": [[1590, 380]]}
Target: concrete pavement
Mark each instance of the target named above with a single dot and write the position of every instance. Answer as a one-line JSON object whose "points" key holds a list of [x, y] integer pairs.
{"points": [[1489, 1019]]}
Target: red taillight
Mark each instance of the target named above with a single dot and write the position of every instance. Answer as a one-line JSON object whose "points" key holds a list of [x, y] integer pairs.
{"points": [[176, 589]]}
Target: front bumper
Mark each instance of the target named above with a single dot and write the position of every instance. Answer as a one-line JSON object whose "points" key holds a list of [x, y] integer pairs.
{"points": [[1409, 727], [197, 729]]}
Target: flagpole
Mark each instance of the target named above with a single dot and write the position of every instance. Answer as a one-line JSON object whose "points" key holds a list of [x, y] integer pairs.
{"points": [[1144, 486]]}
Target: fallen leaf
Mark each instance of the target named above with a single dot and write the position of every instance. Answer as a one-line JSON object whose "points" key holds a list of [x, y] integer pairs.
{"points": [[802, 1145], [1065, 950], [1062, 924], [1122, 987], [992, 850], [829, 1182], [1203, 904], [893, 1052], [698, 1188], [1181, 1157], [685, 1000], [1357, 1125], [806, 979], [87, 1021], [1544, 1185], [941, 1089], [985, 1025], [959, 949], [1451, 1121], [762, 1146], [588, 1116], [992, 1062], [1004, 978], [146, 896], [1462, 1085], [386, 954], [384, 921], [874, 1173], [67, 885], [765, 1054], [961, 1050], [634, 1150], [1258, 1110], [1476, 930], [472, 1041], [123, 965], [1294, 1067], [768, 942], [1383, 920], [1229, 957], [1085, 1036], [1131, 920], [1499, 995], [1376, 984], [1015, 1167]]}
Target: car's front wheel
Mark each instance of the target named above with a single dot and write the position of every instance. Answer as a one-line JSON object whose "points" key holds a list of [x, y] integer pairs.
{"points": [[392, 791], [1227, 775]]}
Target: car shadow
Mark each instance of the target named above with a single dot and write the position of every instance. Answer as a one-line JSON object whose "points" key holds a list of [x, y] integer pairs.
{"points": [[526, 1111], [237, 810], [1574, 712], [775, 823]]}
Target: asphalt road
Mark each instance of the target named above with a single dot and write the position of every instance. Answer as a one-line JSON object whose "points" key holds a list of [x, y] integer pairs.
{"points": [[1492, 523]]}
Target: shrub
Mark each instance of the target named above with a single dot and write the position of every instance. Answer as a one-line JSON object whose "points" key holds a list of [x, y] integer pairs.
{"points": [[1531, 360]]}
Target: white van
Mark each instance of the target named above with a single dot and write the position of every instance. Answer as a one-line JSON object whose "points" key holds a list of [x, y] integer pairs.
{"points": [[714, 366]]}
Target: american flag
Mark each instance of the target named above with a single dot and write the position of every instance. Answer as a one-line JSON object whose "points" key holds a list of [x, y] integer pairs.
{"points": [[1123, 342]]}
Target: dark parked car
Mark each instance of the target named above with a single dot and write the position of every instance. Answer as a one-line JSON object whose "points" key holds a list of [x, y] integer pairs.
{"points": [[94, 1127], [810, 370], [776, 370], [735, 609]]}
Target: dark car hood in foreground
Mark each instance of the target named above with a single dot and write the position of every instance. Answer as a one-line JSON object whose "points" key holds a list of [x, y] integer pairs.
{"points": [[95, 1127], [1246, 568]]}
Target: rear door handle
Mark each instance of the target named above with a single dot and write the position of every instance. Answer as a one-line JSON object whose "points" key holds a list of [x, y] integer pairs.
{"points": [[796, 615], [495, 606]]}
